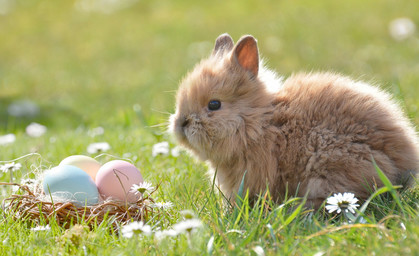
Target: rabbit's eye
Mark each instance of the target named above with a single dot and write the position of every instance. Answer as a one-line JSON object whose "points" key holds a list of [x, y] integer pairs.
{"points": [[214, 105]]}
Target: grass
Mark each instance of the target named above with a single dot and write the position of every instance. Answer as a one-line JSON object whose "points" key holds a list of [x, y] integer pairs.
{"points": [[120, 71]]}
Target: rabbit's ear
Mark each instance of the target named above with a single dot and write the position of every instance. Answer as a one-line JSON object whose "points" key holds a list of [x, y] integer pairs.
{"points": [[246, 54], [223, 44]]}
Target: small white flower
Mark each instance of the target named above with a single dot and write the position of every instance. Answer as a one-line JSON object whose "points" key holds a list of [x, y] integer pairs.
{"points": [[163, 205], [159, 235], [188, 214], [342, 202], [161, 148], [176, 151], [36, 130], [7, 139], [258, 250], [98, 147], [188, 225], [10, 167], [402, 28], [142, 188], [41, 228], [135, 228]]}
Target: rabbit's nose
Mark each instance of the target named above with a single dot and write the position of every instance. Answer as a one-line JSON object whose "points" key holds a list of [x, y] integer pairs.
{"points": [[182, 122], [185, 122]]}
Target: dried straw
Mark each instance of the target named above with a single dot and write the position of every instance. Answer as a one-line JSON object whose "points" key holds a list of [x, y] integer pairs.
{"points": [[33, 206]]}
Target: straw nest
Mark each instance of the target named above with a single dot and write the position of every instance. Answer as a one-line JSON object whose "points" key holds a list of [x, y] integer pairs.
{"points": [[31, 203]]}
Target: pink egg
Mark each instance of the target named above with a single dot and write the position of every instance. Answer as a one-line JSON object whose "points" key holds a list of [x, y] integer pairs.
{"points": [[115, 179]]}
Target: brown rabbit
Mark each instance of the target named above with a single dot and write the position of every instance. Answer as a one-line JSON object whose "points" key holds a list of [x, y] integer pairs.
{"points": [[316, 134]]}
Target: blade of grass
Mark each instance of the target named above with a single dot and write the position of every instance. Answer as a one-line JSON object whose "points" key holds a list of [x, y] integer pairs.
{"points": [[390, 186]]}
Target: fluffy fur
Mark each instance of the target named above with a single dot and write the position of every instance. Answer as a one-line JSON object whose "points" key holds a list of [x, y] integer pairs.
{"points": [[316, 134]]}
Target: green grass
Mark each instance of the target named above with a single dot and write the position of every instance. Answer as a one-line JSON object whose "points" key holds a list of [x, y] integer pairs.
{"points": [[121, 70]]}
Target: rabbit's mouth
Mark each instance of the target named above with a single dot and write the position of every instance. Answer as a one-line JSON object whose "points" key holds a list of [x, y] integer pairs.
{"points": [[191, 134]]}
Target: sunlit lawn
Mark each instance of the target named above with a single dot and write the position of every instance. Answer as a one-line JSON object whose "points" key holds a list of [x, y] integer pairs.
{"points": [[91, 63]]}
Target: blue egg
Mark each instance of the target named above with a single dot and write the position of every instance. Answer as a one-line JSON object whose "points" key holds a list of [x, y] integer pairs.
{"points": [[70, 184]]}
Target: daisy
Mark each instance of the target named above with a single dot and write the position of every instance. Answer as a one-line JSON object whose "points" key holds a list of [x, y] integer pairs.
{"points": [[36, 130], [342, 202], [160, 235], [176, 151], [188, 214], [161, 148], [135, 228], [41, 228], [163, 205], [402, 28], [7, 139], [142, 188], [188, 225], [98, 147], [10, 167]]}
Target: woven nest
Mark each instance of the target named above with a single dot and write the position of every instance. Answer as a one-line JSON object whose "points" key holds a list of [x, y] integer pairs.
{"points": [[31, 204]]}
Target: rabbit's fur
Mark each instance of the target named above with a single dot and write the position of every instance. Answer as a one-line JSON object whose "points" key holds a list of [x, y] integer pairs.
{"points": [[316, 134]]}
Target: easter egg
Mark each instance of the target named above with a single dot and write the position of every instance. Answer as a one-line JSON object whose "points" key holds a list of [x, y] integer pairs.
{"points": [[70, 184], [115, 179], [87, 164]]}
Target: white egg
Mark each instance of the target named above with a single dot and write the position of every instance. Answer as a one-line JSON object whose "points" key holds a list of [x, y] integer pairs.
{"points": [[87, 164]]}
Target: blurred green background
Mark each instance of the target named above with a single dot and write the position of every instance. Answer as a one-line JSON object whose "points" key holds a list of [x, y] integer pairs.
{"points": [[89, 63]]}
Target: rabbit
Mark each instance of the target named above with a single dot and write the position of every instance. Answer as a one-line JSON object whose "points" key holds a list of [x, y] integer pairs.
{"points": [[312, 134]]}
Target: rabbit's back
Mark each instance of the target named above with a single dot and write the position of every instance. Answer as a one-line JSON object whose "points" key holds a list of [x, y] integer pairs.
{"points": [[333, 127]]}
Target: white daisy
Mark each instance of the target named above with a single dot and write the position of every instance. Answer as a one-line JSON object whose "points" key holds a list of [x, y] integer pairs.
{"points": [[342, 202], [161, 148], [159, 235], [188, 225], [7, 139], [98, 147], [36, 130], [163, 205], [176, 151], [142, 188], [135, 228], [402, 28], [10, 167], [188, 214], [41, 228]]}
